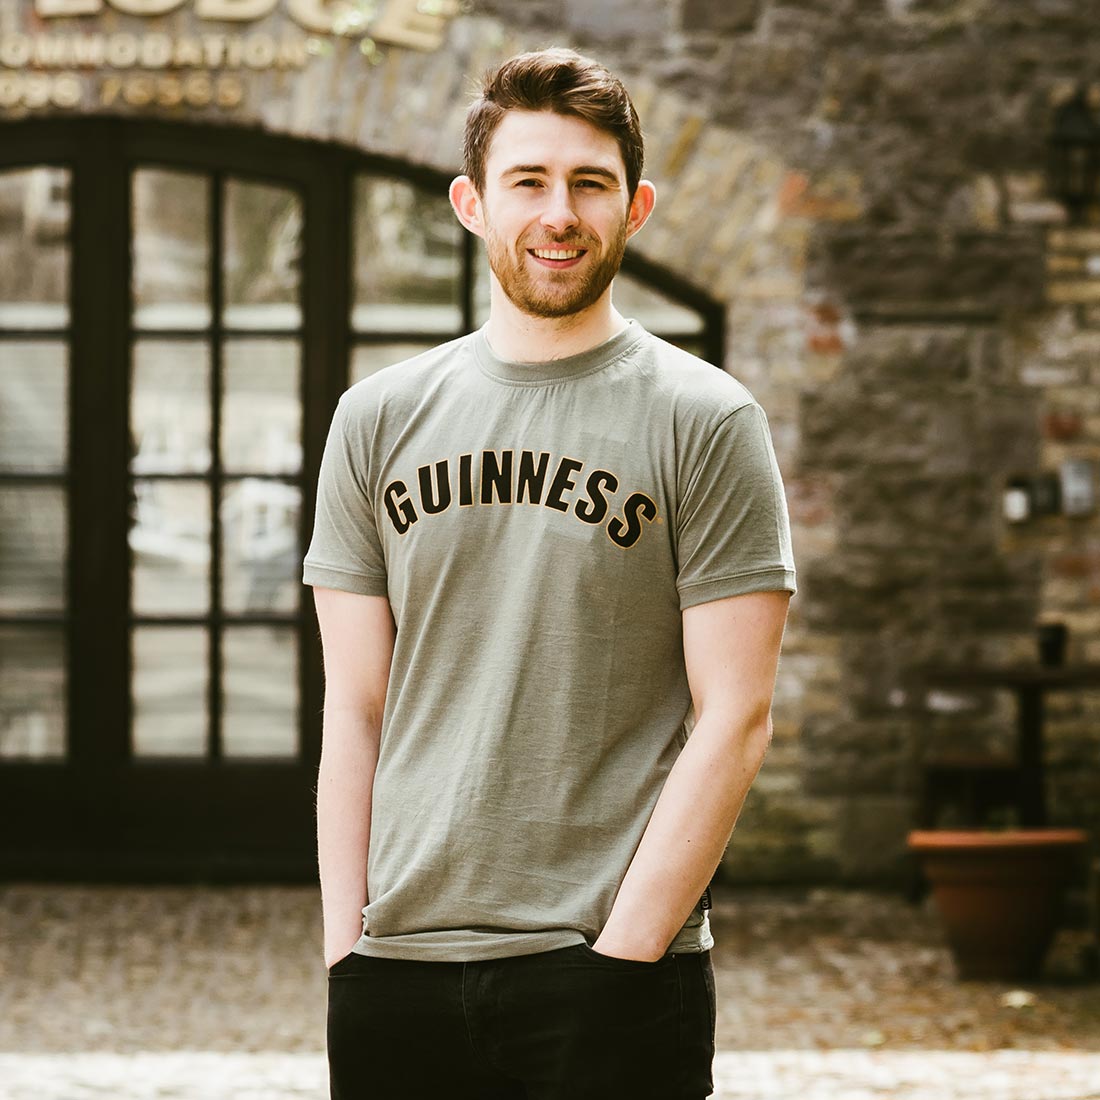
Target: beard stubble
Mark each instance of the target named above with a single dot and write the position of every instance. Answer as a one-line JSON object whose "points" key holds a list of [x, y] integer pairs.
{"points": [[558, 293]]}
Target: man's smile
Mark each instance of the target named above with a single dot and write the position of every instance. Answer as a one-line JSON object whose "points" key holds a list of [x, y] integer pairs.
{"points": [[557, 257]]}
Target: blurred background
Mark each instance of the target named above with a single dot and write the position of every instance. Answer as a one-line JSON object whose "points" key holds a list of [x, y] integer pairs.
{"points": [[882, 216]]}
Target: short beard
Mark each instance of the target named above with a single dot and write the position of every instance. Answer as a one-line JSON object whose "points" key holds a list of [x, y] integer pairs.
{"points": [[542, 300]]}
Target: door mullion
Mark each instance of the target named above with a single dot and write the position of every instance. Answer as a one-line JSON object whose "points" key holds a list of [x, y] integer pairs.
{"points": [[214, 680], [99, 566]]}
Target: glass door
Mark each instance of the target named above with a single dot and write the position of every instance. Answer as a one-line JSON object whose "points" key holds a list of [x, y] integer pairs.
{"points": [[173, 339], [214, 476], [35, 214]]}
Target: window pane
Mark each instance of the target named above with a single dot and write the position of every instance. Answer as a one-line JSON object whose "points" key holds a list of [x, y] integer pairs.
{"points": [[263, 249], [171, 249], [33, 539], [32, 692], [260, 555], [480, 276], [262, 408], [654, 310], [170, 407], [168, 691], [368, 358], [34, 406], [407, 257], [170, 540], [260, 715], [34, 241]]}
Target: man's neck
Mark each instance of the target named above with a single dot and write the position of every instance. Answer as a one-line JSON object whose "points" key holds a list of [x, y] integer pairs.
{"points": [[520, 338]]}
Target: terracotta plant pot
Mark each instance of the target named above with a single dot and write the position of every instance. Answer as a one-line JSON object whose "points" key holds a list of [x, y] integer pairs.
{"points": [[999, 894]]}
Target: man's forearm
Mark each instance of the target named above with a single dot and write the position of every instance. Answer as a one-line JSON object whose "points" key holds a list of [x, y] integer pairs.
{"points": [[684, 841], [345, 780]]}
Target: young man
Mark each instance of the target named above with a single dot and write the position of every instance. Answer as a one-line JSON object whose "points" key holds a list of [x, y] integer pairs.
{"points": [[538, 548]]}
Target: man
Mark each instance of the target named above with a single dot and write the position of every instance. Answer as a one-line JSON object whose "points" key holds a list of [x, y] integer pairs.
{"points": [[537, 549]]}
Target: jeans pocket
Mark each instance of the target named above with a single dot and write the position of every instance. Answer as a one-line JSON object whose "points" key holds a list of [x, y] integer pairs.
{"points": [[616, 963], [348, 962]]}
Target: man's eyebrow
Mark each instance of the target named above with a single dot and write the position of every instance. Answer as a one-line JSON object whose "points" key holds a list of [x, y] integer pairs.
{"points": [[596, 170], [580, 170]]}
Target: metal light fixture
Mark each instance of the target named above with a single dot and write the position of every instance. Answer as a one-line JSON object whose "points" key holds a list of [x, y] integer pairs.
{"points": [[1073, 156]]}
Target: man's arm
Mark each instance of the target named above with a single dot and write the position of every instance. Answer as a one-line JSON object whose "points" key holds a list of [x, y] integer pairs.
{"points": [[357, 635], [731, 647]]}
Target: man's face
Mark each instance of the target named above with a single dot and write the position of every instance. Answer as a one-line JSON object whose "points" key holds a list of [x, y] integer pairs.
{"points": [[554, 211]]}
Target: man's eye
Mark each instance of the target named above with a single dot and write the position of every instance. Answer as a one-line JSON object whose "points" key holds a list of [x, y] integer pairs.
{"points": [[527, 183], [590, 183]]}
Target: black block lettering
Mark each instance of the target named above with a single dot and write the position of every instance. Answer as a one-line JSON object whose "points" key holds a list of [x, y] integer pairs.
{"points": [[402, 512], [593, 511], [563, 481], [496, 477], [531, 478], [637, 507], [465, 480], [439, 499]]}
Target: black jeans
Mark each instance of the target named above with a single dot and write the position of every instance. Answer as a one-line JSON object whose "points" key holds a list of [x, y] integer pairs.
{"points": [[569, 1024]]}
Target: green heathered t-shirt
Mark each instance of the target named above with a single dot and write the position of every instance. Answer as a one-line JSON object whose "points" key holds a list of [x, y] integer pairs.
{"points": [[538, 529]]}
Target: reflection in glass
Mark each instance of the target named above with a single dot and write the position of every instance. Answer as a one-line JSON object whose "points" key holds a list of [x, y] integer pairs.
{"points": [[407, 258], [33, 539], [34, 406], [260, 558], [168, 691], [369, 358], [652, 309], [262, 406], [171, 249], [170, 541], [32, 692], [260, 714], [170, 407], [34, 241], [263, 252]]}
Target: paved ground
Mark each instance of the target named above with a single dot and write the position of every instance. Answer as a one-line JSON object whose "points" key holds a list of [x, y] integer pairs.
{"points": [[212, 993], [759, 1075]]}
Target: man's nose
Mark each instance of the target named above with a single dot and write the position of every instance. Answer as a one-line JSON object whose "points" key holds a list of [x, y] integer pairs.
{"points": [[559, 213]]}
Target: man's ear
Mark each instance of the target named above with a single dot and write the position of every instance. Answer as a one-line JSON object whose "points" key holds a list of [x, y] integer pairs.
{"points": [[467, 204], [641, 206]]}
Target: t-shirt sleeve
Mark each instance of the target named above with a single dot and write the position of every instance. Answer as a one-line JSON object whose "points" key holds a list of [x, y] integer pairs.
{"points": [[345, 551], [733, 531]]}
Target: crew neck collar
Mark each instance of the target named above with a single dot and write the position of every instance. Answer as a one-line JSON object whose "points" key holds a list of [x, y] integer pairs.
{"points": [[554, 370]]}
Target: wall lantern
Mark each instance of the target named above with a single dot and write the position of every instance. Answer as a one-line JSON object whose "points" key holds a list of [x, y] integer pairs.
{"points": [[1073, 156]]}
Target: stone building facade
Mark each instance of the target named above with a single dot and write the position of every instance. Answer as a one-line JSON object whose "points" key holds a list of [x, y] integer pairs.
{"points": [[860, 185]]}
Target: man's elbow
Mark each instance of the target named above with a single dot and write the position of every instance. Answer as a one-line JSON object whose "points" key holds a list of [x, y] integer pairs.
{"points": [[743, 731]]}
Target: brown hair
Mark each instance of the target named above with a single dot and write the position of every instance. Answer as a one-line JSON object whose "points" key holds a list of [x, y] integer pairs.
{"points": [[557, 80]]}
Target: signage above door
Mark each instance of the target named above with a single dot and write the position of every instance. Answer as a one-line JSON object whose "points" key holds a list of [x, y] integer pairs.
{"points": [[191, 65], [414, 24]]}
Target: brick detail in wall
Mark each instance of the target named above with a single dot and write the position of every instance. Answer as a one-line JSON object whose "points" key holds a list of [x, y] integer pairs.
{"points": [[1073, 266]]}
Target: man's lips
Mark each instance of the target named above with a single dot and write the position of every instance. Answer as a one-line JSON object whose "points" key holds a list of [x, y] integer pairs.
{"points": [[559, 257]]}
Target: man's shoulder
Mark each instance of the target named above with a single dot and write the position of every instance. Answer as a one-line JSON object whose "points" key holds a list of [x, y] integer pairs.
{"points": [[694, 387], [408, 378]]}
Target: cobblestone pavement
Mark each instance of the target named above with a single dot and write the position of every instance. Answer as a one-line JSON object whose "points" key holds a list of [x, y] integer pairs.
{"points": [[758, 1075], [210, 992]]}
